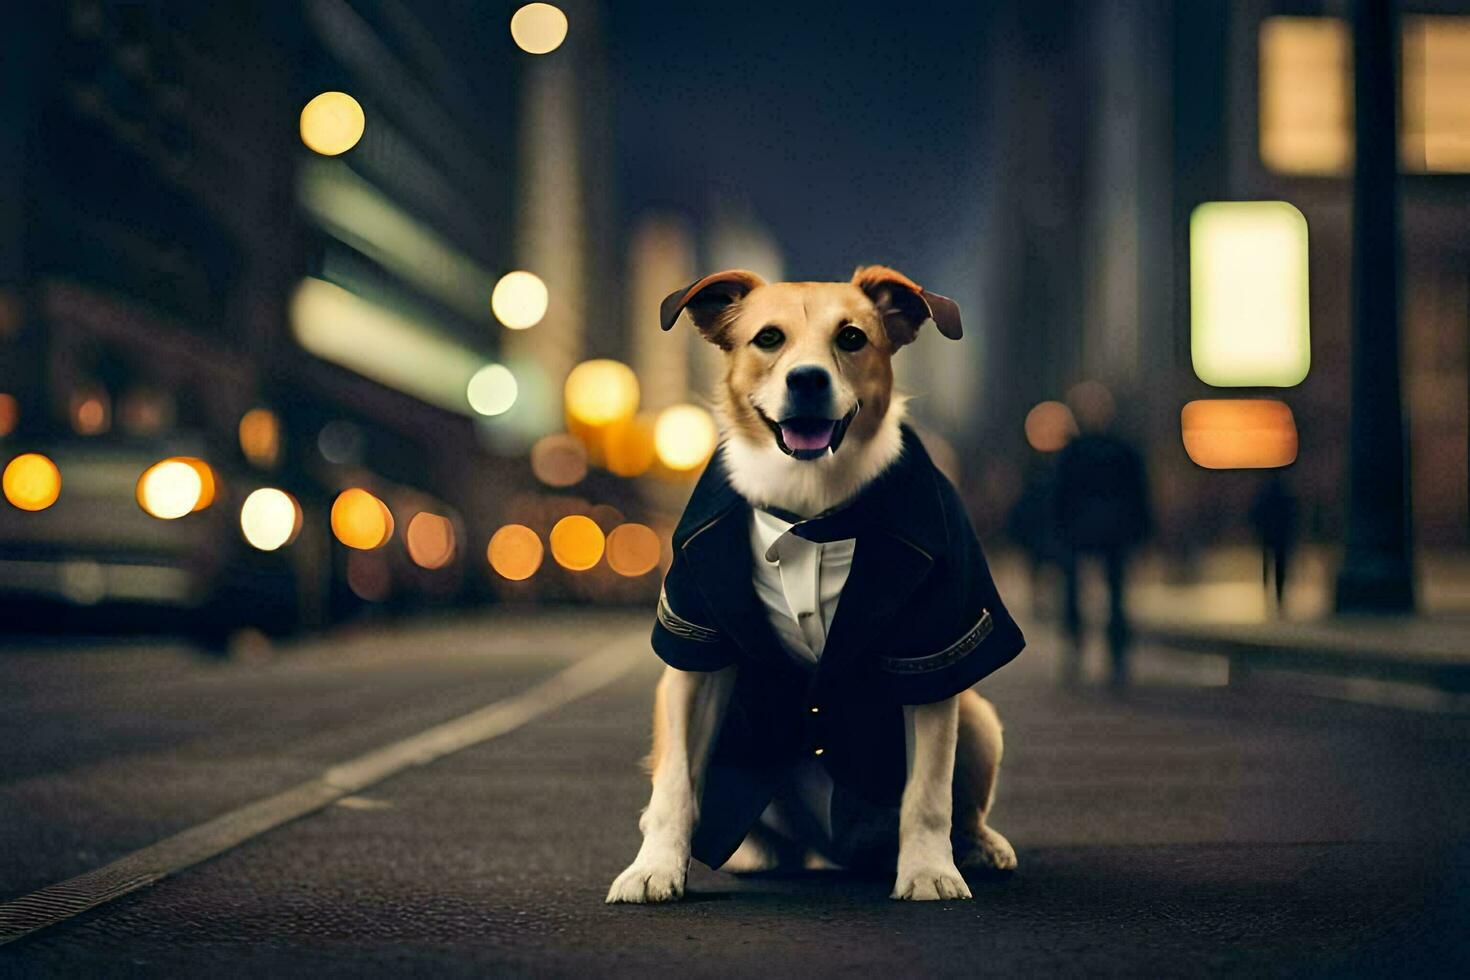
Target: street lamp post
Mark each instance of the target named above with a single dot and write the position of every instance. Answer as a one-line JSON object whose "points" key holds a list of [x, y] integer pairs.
{"points": [[1377, 570]]}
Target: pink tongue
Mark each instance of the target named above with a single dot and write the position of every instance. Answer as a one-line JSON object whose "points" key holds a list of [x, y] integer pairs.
{"points": [[808, 436]]}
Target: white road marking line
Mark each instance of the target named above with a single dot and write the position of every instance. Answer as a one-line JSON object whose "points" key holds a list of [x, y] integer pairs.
{"points": [[65, 899]]}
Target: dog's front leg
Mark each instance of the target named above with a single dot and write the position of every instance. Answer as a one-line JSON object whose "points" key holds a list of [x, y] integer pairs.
{"points": [[926, 868], [689, 708]]}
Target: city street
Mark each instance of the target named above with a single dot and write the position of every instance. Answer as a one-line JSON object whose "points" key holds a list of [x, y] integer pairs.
{"points": [[1182, 828]]}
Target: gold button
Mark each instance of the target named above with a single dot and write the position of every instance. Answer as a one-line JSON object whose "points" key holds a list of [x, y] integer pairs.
{"points": [[818, 751]]}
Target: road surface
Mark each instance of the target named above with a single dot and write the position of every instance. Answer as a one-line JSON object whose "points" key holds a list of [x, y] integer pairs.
{"points": [[1184, 828]]}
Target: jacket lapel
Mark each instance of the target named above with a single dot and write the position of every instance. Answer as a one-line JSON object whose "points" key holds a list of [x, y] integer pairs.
{"points": [[720, 556]]}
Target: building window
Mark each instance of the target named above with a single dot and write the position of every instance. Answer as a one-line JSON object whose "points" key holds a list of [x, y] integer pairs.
{"points": [[1436, 95], [1305, 95]]}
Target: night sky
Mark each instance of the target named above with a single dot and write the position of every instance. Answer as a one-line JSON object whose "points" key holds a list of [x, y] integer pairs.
{"points": [[853, 131]]}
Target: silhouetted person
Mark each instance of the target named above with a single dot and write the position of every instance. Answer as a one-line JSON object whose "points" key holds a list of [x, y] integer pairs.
{"points": [[1102, 512], [1032, 523], [1273, 514]]}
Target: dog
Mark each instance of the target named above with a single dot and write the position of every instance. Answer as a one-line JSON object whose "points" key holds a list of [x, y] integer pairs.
{"points": [[826, 614]]}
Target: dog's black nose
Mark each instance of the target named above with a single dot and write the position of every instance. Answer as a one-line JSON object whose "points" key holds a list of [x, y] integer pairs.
{"points": [[808, 380]]}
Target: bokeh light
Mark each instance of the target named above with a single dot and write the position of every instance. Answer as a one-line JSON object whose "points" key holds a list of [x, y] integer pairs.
{"points": [[559, 460], [332, 123], [360, 520], [270, 518], [9, 414], [1239, 433], [1250, 321], [31, 482], [492, 390], [430, 540], [633, 550], [515, 552], [1049, 427], [577, 542], [601, 392], [260, 437], [519, 300], [684, 436], [627, 445], [91, 412], [169, 489], [1092, 404], [538, 28]]}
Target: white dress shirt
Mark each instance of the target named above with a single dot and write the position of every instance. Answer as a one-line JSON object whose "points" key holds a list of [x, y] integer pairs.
{"points": [[798, 581]]}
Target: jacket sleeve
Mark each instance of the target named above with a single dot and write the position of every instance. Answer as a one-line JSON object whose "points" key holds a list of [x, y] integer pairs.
{"points": [[970, 633], [684, 633]]}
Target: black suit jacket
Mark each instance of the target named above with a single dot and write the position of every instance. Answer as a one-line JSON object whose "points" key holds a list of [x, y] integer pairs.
{"points": [[919, 620]]}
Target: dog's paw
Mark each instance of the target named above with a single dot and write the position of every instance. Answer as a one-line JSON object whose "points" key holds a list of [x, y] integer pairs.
{"points": [[926, 871], [930, 883], [990, 851], [649, 881]]}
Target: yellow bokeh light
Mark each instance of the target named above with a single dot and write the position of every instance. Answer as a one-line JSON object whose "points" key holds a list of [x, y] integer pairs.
{"points": [[1249, 308], [519, 300], [601, 392], [360, 520], [260, 437], [492, 390], [577, 542], [9, 414], [1305, 95], [515, 552], [1239, 433], [332, 123], [627, 446], [430, 540], [270, 518], [538, 28], [31, 482], [684, 436], [633, 550], [1049, 427], [1436, 78], [169, 489]]}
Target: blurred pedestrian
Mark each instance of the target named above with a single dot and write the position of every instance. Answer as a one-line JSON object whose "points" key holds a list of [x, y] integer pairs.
{"points": [[1032, 524], [1274, 516], [1103, 513]]}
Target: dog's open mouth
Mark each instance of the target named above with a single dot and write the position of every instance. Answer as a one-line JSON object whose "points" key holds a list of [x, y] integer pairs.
{"points": [[809, 437]]}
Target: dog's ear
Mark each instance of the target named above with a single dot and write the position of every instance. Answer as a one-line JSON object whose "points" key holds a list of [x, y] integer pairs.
{"points": [[708, 301], [905, 305]]}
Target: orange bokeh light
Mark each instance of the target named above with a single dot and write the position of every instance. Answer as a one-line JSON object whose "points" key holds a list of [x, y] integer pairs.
{"points": [[577, 542], [430, 540], [515, 552], [633, 550], [1050, 426], [31, 482], [1239, 433], [360, 520]]}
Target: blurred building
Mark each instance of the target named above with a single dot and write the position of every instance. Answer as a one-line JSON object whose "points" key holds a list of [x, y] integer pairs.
{"points": [[180, 276], [1118, 119]]}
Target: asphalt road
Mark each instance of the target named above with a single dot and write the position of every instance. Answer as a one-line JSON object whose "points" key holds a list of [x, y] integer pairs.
{"points": [[1182, 829]]}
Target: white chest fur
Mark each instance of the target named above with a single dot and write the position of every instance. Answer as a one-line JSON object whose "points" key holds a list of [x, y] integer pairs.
{"points": [[798, 582]]}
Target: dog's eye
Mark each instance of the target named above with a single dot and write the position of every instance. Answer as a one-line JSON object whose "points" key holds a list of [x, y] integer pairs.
{"points": [[769, 338], [850, 338]]}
